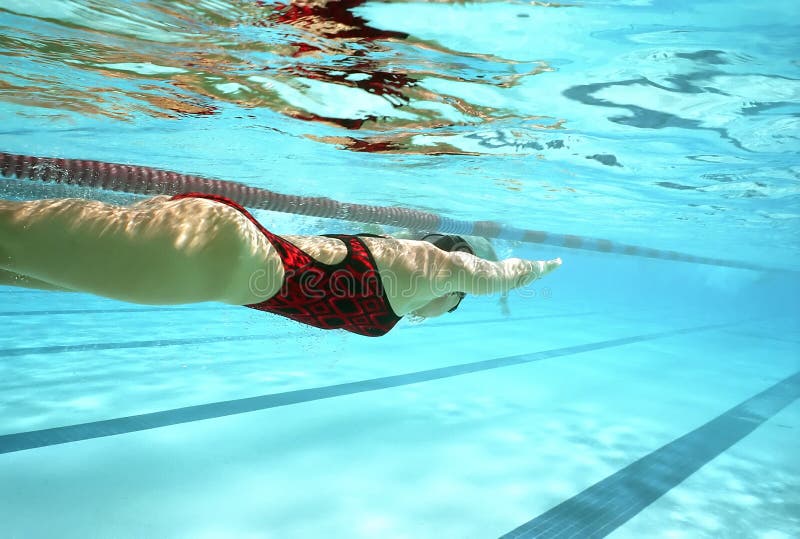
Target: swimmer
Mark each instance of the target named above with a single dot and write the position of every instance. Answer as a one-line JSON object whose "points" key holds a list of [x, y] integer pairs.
{"points": [[197, 247]]}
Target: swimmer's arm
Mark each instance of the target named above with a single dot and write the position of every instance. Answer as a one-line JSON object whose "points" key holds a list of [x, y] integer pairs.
{"points": [[472, 275], [167, 252]]}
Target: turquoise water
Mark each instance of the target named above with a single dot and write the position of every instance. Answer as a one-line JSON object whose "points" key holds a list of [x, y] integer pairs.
{"points": [[621, 395]]}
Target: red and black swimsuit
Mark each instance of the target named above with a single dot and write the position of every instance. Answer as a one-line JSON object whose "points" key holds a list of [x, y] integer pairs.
{"points": [[348, 295]]}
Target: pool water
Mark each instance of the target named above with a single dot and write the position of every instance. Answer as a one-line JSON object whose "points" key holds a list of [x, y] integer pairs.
{"points": [[621, 395]]}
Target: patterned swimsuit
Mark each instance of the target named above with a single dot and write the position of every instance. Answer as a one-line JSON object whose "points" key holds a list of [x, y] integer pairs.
{"points": [[348, 295]]}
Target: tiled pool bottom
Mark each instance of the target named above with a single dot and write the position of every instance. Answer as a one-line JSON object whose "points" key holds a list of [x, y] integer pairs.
{"points": [[544, 410]]}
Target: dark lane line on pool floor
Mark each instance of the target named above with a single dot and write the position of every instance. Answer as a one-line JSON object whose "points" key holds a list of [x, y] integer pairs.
{"points": [[763, 336], [610, 503], [110, 427], [93, 347]]}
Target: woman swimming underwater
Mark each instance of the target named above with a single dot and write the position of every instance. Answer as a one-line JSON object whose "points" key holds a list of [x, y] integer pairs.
{"points": [[198, 247]]}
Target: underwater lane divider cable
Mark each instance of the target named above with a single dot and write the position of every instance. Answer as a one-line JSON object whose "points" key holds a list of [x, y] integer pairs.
{"points": [[22, 441], [151, 181], [160, 343], [12, 383]]}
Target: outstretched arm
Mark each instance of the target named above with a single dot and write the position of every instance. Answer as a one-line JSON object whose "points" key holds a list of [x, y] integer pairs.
{"points": [[464, 272], [163, 252]]}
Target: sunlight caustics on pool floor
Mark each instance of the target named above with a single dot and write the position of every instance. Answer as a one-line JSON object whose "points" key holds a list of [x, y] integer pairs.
{"points": [[567, 447]]}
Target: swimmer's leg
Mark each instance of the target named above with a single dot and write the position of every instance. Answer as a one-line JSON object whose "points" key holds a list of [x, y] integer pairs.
{"points": [[164, 252]]}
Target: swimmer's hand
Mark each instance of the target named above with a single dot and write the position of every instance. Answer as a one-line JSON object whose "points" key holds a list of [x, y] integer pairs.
{"points": [[470, 274], [524, 272]]}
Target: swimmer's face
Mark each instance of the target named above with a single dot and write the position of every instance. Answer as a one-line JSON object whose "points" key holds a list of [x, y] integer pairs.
{"points": [[438, 306]]}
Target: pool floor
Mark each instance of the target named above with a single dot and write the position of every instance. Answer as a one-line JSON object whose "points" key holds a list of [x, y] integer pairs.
{"points": [[561, 422]]}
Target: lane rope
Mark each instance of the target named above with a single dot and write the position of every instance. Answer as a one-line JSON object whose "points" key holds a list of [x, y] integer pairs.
{"points": [[151, 181]]}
